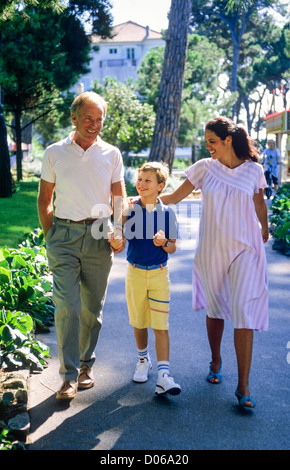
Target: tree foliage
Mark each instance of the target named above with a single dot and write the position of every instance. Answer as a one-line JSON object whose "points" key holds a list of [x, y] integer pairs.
{"points": [[166, 128], [227, 23], [43, 52], [264, 66], [129, 123], [201, 95]]}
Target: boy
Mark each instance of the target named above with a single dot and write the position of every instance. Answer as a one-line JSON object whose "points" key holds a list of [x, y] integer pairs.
{"points": [[151, 231]]}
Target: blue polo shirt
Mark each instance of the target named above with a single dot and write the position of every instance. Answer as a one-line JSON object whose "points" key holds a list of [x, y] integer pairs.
{"points": [[141, 226]]}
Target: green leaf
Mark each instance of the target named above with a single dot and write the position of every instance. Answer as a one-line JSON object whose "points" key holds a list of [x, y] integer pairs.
{"points": [[7, 334], [18, 262], [282, 230], [5, 276]]}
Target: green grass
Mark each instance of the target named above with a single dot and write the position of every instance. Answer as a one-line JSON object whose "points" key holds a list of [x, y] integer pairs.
{"points": [[18, 215]]}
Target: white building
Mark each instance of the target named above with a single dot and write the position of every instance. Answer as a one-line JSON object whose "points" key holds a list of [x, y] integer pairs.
{"points": [[120, 56]]}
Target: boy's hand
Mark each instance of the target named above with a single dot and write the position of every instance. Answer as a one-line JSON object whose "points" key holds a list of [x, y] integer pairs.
{"points": [[159, 238], [116, 242]]}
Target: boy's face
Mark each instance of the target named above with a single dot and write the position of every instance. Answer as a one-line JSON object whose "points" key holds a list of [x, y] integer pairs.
{"points": [[147, 184]]}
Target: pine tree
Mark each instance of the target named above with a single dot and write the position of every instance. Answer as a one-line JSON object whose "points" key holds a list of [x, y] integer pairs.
{"points": [[169, 101]]}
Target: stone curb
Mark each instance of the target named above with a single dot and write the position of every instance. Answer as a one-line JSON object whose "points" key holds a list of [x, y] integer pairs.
{"points": [[14, 387]]}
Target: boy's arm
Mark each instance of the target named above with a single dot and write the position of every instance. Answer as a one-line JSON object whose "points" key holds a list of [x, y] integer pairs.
{"points": [[168, 244], [171, 246]]}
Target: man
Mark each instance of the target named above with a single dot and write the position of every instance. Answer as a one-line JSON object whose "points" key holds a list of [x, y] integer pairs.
{"points": [[271, 162], [83, 172]]}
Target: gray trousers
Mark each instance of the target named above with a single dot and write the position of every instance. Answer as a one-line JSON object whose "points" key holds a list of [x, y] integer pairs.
{"points": [[80, 265]]}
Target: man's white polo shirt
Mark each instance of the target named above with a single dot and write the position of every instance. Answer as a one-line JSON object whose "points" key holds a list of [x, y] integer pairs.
{"points": [[82, 178]]}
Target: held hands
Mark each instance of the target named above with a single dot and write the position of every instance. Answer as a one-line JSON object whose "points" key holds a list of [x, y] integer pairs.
{"points": [[116, 241]]}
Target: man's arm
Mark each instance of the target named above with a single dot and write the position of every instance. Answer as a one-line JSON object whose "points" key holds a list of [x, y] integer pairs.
{"points": [[120, 208], [45, 205], [119, 201]]}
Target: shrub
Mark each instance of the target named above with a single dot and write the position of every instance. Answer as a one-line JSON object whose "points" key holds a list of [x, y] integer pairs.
{"points": [[280, 220], [25, 303], [25, 282], [18, 347]]}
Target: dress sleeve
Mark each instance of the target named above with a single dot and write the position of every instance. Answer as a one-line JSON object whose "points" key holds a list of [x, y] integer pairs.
{"points": [[195, 173]]}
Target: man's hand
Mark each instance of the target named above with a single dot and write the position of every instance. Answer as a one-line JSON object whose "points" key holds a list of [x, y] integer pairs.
{"points": [[116, 241]]}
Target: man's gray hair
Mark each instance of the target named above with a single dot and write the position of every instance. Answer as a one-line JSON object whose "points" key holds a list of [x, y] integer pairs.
{"points": [[86, 97]]}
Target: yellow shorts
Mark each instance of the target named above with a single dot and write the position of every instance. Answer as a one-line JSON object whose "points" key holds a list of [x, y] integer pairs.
{"points": [[148, 295]]}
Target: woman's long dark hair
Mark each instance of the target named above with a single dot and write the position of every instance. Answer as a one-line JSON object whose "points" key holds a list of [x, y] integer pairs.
{"points": [[244, 147]]}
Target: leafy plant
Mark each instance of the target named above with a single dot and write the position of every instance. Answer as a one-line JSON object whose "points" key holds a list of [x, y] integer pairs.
{"points": [[25, 306], [280, 219], [5, 442], [25, 282], [18, 347]]}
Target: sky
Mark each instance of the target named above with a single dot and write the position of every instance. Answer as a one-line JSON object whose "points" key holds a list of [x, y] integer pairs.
{"points": [[152, 13]]}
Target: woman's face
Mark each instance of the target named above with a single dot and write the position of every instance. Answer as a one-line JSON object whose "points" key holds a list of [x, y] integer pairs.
{"points": [[215, 145]]}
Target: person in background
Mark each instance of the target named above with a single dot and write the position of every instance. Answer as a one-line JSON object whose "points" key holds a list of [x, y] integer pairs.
{"points": [[83, 172], [271, 162]]}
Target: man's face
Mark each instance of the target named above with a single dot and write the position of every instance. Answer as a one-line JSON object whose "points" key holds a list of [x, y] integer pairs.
{"points": [[271, 145], [89, 123]]}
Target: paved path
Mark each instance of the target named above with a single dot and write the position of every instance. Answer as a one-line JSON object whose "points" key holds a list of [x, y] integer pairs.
{"points": [[119, 415]]}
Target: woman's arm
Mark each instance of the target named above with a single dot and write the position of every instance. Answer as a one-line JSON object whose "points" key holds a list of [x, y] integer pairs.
{"points": [[180, 193], [261, 211]]}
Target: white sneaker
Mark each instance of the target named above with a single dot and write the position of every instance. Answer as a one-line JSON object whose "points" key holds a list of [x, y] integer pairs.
{"points": [[166, 386], [142, 370]]}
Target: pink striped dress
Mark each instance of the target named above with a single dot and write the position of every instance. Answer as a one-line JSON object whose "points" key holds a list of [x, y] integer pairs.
{"points": [[230, 272]]}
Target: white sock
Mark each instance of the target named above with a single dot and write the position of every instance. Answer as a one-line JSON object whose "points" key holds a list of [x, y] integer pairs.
{"points": [[143, 353], [163, 368]]}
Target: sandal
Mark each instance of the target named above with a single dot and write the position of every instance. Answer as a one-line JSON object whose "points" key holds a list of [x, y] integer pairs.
{"points": [[69, 393], [242, 400], [213, 375], [85, 379]]}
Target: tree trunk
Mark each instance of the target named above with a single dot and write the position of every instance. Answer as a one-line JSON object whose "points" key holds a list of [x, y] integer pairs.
{"points": [[165, 135], [5, 173], [17, 117], [234, 75]]}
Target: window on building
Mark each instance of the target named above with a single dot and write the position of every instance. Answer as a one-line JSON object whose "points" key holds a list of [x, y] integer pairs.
{"points": [[113, 51], [131, 53]]}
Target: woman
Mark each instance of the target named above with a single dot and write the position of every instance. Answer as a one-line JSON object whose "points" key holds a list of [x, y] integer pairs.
{"points": [[229, 275]]}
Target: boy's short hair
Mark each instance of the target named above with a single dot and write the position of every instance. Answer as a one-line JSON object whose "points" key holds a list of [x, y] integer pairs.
{"points": [[159, 168]]}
